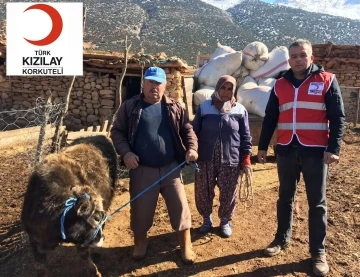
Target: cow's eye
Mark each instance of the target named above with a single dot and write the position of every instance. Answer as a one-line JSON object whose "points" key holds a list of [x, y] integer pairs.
{"points": [[97, 216]]}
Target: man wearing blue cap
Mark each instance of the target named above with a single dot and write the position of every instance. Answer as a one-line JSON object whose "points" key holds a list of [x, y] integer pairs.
{"points": [[152, 135]]}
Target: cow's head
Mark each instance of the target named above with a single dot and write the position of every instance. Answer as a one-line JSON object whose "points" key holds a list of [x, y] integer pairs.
{"points": [[89, 213]]}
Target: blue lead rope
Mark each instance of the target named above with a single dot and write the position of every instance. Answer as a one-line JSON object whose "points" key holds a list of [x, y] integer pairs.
{"points": [[193, 164], [72, 201]]}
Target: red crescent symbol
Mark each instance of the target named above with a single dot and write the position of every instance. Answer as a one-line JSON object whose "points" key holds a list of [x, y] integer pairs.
{"points": [[57, 24]]}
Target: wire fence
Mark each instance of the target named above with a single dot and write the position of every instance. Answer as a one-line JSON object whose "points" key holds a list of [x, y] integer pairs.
{"points": [[22, 130], [25, 137], [18, 119]]}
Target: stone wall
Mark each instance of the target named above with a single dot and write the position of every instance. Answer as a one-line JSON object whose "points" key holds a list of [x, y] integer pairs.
{"points": [[92, 98], [173, 87], [344, 62], [350, 96]]}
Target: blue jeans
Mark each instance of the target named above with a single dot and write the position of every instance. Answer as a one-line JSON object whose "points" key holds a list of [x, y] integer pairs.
{"points": [[315, 173]]}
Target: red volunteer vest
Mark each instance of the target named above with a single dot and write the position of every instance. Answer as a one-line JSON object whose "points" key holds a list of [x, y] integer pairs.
{"points": [[303, 110]]}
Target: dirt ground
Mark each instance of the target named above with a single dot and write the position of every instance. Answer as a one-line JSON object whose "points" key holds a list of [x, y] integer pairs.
{"points": [[239, 255]]}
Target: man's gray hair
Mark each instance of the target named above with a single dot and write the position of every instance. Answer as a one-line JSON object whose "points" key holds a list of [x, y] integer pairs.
{"points": [[300, 42]]}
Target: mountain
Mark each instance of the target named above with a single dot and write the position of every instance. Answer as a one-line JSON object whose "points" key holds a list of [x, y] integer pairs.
{"points": [[188, 26], [177, 27], [280, 25], [184, 27], [344, 8]]}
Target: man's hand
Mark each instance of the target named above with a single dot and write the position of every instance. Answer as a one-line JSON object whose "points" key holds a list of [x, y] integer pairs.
{"points": [[131, 160], [261, 156], [330, 158], [191, 156]]}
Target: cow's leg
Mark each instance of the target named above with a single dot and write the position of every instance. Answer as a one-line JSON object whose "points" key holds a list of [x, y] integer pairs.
{"points": [[84, 253], [40, 255]]}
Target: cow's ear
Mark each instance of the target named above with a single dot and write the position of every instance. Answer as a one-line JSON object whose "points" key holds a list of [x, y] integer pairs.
{"points": [[85, 208]]}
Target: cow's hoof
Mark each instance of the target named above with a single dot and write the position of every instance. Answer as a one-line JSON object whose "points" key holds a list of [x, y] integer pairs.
{"points": [[98, 274]]}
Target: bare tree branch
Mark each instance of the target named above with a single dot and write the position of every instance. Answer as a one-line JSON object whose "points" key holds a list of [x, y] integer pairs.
{"points": [[118, 100]]}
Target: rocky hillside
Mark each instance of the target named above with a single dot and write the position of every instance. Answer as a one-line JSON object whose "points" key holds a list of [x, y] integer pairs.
{"points": [[184, 27], [274, 24]]}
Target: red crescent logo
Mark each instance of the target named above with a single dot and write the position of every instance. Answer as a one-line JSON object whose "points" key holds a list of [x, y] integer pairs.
{"points": [[57, 25]]}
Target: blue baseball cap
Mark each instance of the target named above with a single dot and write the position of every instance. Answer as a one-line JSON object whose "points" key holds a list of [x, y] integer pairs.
{"points": [[156, 74]]}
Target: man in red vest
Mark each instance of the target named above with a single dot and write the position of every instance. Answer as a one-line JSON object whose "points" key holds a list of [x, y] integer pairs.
{"points": [[307, 108]]}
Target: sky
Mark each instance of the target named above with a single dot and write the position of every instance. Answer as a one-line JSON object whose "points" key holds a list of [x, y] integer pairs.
{"points": [[268, 1]]}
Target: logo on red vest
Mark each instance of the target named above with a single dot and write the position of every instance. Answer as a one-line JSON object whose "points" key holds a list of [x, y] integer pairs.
{"points": [[316, 88]]}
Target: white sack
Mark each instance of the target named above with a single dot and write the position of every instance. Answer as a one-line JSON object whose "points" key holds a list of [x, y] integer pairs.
{"points": [[255, 54], [248, 83], [269, 82], [220, 50], [240, 75], [253, 97], [225, 64], [277, 62], [242, 71], [202, 94]]}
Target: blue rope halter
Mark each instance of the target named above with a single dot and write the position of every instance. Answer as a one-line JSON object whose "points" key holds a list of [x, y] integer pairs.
{"points": [[70, 203]]}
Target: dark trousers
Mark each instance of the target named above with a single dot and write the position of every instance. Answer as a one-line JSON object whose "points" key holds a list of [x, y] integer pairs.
{"points": [[315, 173]]}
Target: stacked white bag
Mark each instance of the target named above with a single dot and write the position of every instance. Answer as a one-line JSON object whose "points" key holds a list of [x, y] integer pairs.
{"points": [[269, 82], [225, 64], [254, 68], [255, 55], [220, 50], [253, 96], [277, 62], [240, 75], [204, 93], [264, 67], [224, 61]]}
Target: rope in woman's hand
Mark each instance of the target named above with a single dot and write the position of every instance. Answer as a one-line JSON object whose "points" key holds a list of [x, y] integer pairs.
{"points": [[246, 195]]}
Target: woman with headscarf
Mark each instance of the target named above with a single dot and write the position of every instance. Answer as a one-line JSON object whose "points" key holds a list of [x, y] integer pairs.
{"points": [[222, 128]]}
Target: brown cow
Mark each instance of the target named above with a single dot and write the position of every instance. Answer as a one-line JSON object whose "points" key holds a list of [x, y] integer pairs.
{"points": [[83, 176]]}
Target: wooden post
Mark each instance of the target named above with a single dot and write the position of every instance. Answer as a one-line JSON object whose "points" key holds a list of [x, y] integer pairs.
{"points": [[118, 100], [185, 97], [118, 90], [39, 148], [198, 60], [356, 117], [55, 141], [122, 76], [84, 17], [104, 126]]}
